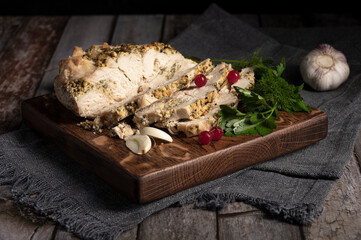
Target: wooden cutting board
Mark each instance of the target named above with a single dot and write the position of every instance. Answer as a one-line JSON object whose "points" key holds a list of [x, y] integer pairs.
{"points": [[169, 167]]}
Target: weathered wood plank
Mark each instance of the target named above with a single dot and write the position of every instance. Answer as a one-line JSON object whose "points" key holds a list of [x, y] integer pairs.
{"points": [[131, 234], [5, 192], [341, 217], [179, 223], [81, 31], [237, 207], [137, 29], [62, 234], [8, 24], [22, 64], [14, 228], [357, 150], [253, 226], [18, 223], [44, 232]]}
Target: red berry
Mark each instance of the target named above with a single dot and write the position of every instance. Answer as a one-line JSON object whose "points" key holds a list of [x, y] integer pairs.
{"points": [[216, 133], [204, 137], [233, 76], [200, 80]]}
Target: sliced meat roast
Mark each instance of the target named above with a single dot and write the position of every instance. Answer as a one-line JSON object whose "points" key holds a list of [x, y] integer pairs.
{"points": [[150, 84], [93, 81]]}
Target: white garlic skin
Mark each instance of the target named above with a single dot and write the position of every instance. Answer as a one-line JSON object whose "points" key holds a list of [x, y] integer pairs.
{"points": [[324, 68]]}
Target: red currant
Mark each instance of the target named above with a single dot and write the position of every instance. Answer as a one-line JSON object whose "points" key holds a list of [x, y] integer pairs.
{"points": [[204, 137], [200, 80], [216, 133], [233, 76]]}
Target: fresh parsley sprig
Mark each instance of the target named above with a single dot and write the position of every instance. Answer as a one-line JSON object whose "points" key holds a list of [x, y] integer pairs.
{"points": [[258, 119], [259, 107]]}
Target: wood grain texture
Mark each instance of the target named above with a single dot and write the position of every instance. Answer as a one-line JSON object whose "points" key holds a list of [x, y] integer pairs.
{"points": [[27, 226], [170, 167], [247, 226], [62, 234], [236, 208], [44, 232], [181, 223], [22, 63], [357, 150], [341, 217], [131, 234], [8, 24]]}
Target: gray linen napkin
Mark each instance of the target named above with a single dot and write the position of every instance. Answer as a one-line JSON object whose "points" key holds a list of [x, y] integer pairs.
{"points": [[290, 187]]}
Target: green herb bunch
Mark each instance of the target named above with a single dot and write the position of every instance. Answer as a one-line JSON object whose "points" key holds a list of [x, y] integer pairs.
{"points": [[258, 108]]}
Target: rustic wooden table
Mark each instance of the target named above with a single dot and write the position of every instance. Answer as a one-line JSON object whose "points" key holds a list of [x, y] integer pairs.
{"points": [[30, 48]]}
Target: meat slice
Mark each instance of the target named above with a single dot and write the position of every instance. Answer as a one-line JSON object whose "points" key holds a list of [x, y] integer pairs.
{"points": [[183, 104], [191, 103], [182, 79], [246, 79], [227, 96], [194, 127], [93, 81]]}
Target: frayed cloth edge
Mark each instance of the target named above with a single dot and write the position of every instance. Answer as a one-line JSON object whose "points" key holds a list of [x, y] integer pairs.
{"points": [[301, 214]]}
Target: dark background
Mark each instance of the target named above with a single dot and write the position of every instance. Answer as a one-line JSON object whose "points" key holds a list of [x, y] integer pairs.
{"points": [[20, 7]]}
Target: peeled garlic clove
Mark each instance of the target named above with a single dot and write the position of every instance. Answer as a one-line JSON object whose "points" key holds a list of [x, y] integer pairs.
{"points": [[139, 143], [324, 68], [156, 133]]}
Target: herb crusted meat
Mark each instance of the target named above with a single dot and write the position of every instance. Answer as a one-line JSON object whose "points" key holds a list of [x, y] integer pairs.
{"points": [[94, 80], [150, 84]]}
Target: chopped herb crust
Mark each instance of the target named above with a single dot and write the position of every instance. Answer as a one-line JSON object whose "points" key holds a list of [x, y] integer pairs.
{"points": [[79, 87], [100, 53]]}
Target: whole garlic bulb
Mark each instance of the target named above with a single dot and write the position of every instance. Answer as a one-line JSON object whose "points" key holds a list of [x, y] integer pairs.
{"points": [[324, 68]]}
